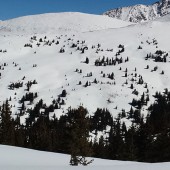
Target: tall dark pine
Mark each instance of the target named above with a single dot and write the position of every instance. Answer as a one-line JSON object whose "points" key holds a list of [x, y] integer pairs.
{"points": [[79, 131], [7, 131]]}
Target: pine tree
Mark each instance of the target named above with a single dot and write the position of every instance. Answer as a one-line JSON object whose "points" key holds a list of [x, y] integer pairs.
{"points": [[87, 60], [64, 93], [79, 130], [130, 143], [7, 129], [125, 74]]}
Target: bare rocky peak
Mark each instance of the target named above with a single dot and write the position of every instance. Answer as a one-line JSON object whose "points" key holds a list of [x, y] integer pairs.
{"points": [[141, 13]]}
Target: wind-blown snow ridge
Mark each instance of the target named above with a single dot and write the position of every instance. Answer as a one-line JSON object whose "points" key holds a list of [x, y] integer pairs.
{"points": [[54, 22]]}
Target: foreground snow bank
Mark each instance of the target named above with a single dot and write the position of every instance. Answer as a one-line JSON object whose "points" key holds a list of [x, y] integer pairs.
{"points": [[14, 158]]}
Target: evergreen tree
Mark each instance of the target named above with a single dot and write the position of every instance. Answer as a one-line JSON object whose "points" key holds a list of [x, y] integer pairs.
{"points": [[7, 128], [131, 149], [87, 60], [79, 130]]}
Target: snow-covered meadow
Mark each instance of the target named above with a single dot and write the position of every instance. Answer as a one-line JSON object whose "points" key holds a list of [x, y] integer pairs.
{"points": [[56, 71]]}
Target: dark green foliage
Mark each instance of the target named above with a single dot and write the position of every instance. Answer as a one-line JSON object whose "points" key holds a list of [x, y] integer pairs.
{"points": [[79, 125], [145, 140], [101, 119], [106, 61], [64, 93], [87, 60], [7, 131]]}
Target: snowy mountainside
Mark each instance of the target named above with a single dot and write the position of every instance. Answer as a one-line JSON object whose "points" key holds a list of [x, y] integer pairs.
{"points": [[165, 18], [53, 22], [14, 158], [106, 68], [141, 13]]}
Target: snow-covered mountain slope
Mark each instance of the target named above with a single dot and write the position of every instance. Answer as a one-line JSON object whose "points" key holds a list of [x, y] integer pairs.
{"points": [[141, 13], [55, 22], [14, 158], [165, 18], [117, 71]]}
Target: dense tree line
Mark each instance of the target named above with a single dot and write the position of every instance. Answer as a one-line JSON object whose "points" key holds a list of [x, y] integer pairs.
{"points": [[98, 135]]}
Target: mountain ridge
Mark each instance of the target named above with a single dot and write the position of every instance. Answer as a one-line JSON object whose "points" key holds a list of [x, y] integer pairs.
{"points": [[67, 21], [140, 13]]}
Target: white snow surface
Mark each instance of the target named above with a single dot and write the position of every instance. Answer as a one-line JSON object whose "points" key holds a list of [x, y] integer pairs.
{"points": [[56, 71], [59, 22], [15, 158]]}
